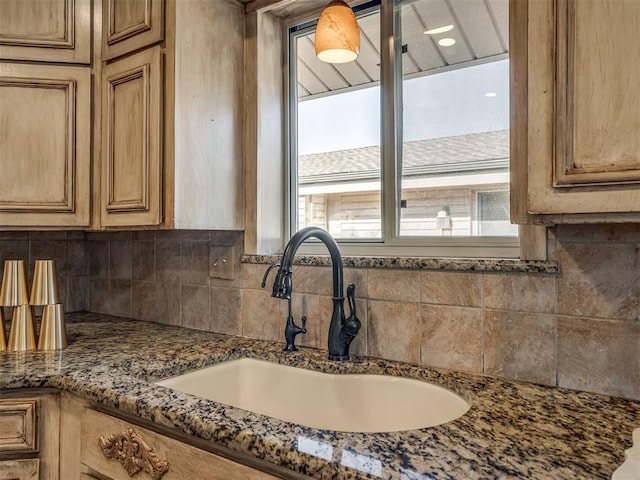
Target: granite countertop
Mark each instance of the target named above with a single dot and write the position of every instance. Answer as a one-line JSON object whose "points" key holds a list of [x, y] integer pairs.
{"points": [[513, 430]]}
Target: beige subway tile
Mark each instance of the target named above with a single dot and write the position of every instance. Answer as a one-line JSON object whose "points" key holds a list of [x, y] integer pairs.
{"points": [[360, 278], [98, 259], [598, 280], [194, 307], [120, 298], [168, 303], [519, 292], [451, 288], [315, 280], [143, 260], [77, 299], [99, 295], [303, 305], [120, 254], [520, 346], [451, 338], [261, 317], [252, 275], [143, 301], [393, 285], [599, 356], [167, 259], [226, 310], [394, 330], [194, 262]]}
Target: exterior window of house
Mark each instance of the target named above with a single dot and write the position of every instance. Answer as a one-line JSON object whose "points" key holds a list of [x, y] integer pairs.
{"points": [[406, 152]]}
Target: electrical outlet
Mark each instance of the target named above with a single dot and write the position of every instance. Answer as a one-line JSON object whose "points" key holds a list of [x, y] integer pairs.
{"points": [[221, 262]]}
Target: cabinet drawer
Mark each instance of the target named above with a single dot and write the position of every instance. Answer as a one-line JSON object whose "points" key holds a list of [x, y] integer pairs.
{"points": [[118, 449], [18, 425], [20, 469]]}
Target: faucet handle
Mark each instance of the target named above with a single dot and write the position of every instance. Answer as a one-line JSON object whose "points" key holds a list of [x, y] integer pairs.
{"points": [[352, 324], [351, 298], [291, 331]]}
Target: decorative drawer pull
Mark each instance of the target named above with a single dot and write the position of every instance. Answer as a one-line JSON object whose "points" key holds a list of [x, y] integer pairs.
{"points": [[135, 455]]}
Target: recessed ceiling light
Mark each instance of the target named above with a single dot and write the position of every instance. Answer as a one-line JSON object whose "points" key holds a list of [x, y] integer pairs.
{"points": [[446, 42], [433, 31], [490, 94]]}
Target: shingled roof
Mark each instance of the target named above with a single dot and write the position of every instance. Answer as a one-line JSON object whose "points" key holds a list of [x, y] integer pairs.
{"points": [[462, 153]]}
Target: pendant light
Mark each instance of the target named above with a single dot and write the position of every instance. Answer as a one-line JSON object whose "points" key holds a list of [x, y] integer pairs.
{"points": [[337, 34]]}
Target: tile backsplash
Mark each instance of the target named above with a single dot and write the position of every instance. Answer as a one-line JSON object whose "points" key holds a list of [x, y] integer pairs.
{"points": [[579, 329]]}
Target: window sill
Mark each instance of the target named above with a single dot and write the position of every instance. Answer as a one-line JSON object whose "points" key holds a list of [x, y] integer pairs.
{"points": [[421, 263]]}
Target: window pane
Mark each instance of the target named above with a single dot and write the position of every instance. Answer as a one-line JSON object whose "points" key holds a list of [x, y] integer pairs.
{"points": [[338, 137], [493, 214], [455, 114]]}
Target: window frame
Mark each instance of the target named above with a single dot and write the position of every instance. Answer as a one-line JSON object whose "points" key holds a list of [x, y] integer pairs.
{"points": [[390, 243]]}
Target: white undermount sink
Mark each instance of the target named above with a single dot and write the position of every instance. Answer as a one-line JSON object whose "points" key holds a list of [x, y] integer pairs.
{"points": [[350, 403]]}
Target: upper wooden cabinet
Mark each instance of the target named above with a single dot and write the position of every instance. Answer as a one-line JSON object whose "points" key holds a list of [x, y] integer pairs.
{"points": [[197, 97], [46, 30], [131, 140], [45, 145], [582, 110], [129, 25]]}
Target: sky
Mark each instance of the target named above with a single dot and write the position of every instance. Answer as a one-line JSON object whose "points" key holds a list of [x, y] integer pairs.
{"points": [[440, 105]]}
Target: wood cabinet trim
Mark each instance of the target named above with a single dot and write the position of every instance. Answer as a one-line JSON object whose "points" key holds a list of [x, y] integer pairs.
{"points": [[134, 453]]}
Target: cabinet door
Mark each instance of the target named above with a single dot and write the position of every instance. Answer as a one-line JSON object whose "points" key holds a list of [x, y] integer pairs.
{"points": [[46, 30], [20, 469], [584, 107], [129, 25], [131, 144], [45, 142]]}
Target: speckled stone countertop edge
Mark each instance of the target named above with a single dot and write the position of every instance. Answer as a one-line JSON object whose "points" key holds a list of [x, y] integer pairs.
{"points": [[513, 430], [549, 267]]}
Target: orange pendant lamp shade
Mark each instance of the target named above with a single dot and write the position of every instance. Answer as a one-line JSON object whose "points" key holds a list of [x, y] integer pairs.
{"points": [[337, 34]]}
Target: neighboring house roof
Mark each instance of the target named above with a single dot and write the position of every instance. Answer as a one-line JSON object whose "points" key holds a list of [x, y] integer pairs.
{"points": [[463, 153]]}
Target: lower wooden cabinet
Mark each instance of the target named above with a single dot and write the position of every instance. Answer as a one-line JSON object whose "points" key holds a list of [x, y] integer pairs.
{"points": [[97, 445], [45, 435], [29, 432]]}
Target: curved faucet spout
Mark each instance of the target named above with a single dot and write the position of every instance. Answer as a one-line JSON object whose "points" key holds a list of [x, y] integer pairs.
{"points": [[341, 330], [324, 236]]}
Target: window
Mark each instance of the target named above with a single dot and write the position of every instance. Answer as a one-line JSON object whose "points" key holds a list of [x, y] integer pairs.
{"points": [[406, 150]]}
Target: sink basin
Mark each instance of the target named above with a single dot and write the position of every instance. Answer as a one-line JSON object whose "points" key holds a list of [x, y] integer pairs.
{"points": [[349, 403]]}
